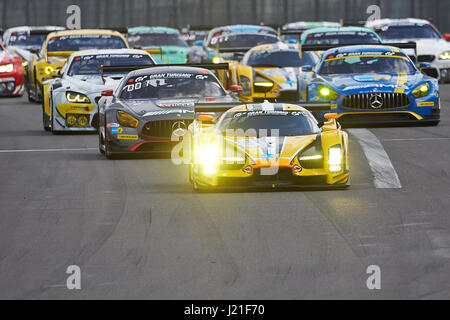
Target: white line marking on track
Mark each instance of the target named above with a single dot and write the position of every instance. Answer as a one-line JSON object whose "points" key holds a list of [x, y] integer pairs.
{"points": [[414, 139], [383, 171], [45, 150]]}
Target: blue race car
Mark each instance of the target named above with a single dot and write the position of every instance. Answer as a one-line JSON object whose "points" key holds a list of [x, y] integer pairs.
{"points": [[373, 84]]}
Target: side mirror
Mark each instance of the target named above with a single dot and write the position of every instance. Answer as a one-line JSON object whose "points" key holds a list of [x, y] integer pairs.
{"points": [[205, 117], [307, 68], [427, 69], [447, 36], [330, 116], [107, 93], [198, 43], [235, 88]]}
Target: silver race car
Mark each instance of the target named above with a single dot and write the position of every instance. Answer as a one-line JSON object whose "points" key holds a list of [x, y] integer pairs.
{"points": [[71, 101]]}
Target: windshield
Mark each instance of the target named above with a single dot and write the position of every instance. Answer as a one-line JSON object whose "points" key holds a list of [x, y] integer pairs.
{"points": [[342, 37], [365, 62], [289, 123], [91, 64], [408, 32], [85, 42], [25, 39], [157, 39], [171, 85], [280, 59], [243, 40]]}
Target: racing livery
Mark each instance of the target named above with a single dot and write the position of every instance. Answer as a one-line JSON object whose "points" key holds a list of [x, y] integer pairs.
{"points": [[70, 102], [431, 46], [373, 84], [266, 145], [58, 46], [11, 73], [151, 108], [271, 71], [230, 43], [172, 48]]}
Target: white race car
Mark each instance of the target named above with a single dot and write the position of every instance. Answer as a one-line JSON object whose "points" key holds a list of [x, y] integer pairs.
{"points": [[71, 101], [431, 45]]}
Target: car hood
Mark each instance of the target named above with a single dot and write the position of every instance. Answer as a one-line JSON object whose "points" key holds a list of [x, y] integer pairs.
{"points": [[386, 82], [169, 106], [92, 83], [286, 78], [5, 57], [24, 53]]}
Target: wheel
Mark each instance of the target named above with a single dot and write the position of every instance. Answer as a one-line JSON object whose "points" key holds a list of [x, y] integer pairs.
{"points": [[30, 98], [101, 144], [45, 119]]}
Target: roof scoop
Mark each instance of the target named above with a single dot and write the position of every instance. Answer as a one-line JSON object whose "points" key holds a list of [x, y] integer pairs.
{"points": [[373, 77]]}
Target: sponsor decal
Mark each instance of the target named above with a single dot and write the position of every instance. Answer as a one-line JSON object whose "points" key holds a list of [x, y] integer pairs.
{"points": [[268, 156], [425, 104], [127, 136], [116, 130]]}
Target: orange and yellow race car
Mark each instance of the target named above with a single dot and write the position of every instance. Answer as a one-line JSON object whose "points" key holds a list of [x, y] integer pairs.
{"points": [[266, 145], [270, 72], [59, 46]]}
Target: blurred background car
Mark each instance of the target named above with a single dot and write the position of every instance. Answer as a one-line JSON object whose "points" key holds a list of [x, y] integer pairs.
{"points": [[11, 73]]}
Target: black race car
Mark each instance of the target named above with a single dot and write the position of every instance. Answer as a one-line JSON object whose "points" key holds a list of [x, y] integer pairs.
{"points": [[151, 108]]}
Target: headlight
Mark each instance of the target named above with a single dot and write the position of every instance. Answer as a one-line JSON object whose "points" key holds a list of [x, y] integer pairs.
{"points": [[311, 158], [207, 157], [77, 97], [445, 55], [216, 59], [49, 70], [335, 159], [262, 82], [126, 119], [24, 64], [421, 90], [7, 67], [327, 93]]}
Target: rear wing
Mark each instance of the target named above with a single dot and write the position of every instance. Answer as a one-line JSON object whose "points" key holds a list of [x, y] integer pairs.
{"points": [[323, 47], [225, 106]]}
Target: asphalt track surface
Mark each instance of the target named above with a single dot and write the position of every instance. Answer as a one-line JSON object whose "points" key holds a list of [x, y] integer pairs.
{"points": [[137, 230]]}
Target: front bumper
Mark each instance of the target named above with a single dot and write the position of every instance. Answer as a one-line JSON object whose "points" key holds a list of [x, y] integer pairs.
{"points": [[11, 85], [75, 117]]}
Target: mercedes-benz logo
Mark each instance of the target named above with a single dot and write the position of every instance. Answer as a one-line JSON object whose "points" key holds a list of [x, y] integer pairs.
{"points": [[179, 128], [376, 101]]}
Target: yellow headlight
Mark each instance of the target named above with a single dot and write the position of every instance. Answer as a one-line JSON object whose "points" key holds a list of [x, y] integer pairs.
{"points": [[126, 120], [421, 90], [49, 70], [7, 68], [216, 59], [264, 84], [445, 55], [327, 93], [76, 97]]}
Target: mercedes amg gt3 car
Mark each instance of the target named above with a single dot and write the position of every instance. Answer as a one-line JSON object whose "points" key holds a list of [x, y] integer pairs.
{"points": [[58, 46], [151, 108], [374, 84], [266, 145], [70, 101]]}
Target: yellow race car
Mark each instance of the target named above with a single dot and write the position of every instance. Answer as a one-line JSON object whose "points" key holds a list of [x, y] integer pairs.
{"points": [[271, 72], [266, 145], [58, 46]]}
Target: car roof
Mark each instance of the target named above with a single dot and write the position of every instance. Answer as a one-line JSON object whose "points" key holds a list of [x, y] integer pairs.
{"points": [[337, 29], [277, 46], [396, 22], [28, 28], [148, 29], [109, 51], [84, 31], [162, 69], [309, 25]]}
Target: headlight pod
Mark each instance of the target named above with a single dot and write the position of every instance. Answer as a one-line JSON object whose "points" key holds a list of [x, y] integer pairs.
{"points": [[7, 68], [207, 156], [216, 59], [311, 158], [327, 93], [335, 158], [76, 97], [126, 119], [421, 90], [444, 55]]}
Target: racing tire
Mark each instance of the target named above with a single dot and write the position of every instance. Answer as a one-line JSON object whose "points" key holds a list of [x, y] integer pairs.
{"points": [[100, 142], [45, 118], [30, 98]]}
